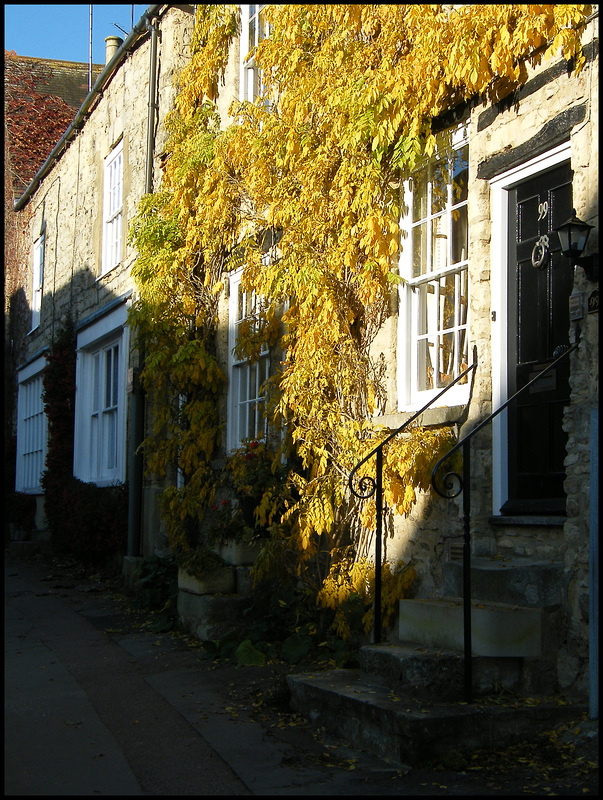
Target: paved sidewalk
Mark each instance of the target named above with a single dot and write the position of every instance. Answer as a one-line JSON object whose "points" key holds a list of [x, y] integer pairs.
{"points": [[97, 704], [92, 711]]}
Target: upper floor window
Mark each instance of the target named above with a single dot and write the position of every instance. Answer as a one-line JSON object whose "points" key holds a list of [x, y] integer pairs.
{"points": [[434, 300], [254, 28], [112, 208], [38, 281], [32, 429], [246, 406]]}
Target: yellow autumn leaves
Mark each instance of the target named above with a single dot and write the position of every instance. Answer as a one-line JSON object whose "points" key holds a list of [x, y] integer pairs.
{"points": [[350, 93]]}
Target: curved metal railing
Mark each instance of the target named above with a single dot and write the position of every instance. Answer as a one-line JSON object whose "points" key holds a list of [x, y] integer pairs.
{"points": [[453, 483], [369, 486]]}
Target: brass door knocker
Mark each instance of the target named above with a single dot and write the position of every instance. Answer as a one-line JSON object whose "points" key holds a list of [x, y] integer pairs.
{"points": [[540, 253]]}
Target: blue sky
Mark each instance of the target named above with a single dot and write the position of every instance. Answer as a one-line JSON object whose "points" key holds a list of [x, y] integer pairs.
{"points": [[63, 31]]}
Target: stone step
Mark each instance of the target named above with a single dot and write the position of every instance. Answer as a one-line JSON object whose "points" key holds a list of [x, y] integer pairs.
{"points": [[404, 729], [518, 581], [209, 617], [408, 666], [497, 629]]}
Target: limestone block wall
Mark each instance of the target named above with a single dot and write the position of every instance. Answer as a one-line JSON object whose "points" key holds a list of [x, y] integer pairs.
{"points": [[69, 201], [68, 204], [553, 107]]}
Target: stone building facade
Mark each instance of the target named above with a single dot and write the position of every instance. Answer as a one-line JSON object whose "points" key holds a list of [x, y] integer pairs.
{"points": [[522, 166]]}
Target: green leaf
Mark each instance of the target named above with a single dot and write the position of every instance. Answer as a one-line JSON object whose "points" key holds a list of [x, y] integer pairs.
{"points": [[248, 656]]}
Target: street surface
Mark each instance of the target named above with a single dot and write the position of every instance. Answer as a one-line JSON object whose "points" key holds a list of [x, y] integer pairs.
{"points": [[98, 703]]}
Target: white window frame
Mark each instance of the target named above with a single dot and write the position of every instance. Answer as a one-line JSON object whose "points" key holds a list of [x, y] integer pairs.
{"points": [[240, 372], [112, 209], [250, 80], [37, 281], [499, 253], [410, 395], [32, 429], [100, 416]]}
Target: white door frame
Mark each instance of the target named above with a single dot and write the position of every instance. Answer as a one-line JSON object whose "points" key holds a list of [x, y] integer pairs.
{"points": [[499, 207]]}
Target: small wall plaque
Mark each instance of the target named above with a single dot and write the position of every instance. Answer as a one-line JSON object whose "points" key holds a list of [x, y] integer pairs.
{"points": [[576, 305], [593, 301]]}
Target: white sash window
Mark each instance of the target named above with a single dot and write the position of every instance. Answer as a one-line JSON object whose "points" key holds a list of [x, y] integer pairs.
{"points": [[112, 208], [37, 282], [254, 28], [434, 300], [100, 404], [246, 405], [32, 429]]}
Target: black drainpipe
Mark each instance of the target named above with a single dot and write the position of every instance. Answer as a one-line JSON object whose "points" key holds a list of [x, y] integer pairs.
{"points": [[137, 397]]}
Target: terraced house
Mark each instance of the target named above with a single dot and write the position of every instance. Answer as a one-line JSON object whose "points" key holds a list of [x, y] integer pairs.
{"points": [[492, 299]]}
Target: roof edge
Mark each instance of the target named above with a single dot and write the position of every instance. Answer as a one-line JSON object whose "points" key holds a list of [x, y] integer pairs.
{"points": [[139, 31]]}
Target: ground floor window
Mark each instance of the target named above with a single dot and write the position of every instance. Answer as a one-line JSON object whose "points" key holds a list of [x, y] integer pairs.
{"points": [[32, 428], [100, 405], [434, 296], [246, 408]]}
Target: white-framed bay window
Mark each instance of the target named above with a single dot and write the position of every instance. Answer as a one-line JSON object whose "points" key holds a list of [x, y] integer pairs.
{"points": [[246, 403], [37, 280], [434, 295], [32, 428], [101, 399], [254, 28], [112, 208]]}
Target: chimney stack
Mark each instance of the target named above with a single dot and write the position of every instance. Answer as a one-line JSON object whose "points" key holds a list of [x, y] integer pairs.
{"points": [[112, 45]]}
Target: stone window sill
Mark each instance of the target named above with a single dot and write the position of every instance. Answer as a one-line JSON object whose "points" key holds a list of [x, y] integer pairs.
{"points": [[544, 521], [446, 415]]}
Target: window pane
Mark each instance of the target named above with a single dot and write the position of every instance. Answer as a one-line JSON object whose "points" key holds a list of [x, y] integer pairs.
{"points": [[251, 426], [115, 374], [95, 381], [439, 187], [419, 196], [427, 309], [110, 422], [252, 387], [261, 24], [439, 242], [447, 303], [252, 18], [459, 234], [419, 250], [108, 378], [446, 367], [460, 175], [424, 364], [464, 296]]}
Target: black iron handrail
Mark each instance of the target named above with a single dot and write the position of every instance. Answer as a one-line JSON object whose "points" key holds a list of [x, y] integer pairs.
{"points": [[369, 486], [453, 484]]}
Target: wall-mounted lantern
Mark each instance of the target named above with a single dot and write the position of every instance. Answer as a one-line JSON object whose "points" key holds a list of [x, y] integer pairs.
{"points": [[573, 235]]}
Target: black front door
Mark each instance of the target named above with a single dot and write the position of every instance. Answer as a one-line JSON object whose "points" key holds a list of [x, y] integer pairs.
{"points": [[540, 283]]}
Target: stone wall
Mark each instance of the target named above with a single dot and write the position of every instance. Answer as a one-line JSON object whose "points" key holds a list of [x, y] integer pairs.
{"points": [[551, 108], [69, 201]]}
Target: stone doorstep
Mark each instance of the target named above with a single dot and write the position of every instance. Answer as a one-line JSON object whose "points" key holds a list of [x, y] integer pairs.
{"points": [[519, 581], [409, 666], [29, 548], [403, 729], [219, 581], [210, 617], [238, 554], [496, 629]]}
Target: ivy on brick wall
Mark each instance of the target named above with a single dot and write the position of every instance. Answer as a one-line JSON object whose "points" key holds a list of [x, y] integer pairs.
{"points": [[35, 118]]}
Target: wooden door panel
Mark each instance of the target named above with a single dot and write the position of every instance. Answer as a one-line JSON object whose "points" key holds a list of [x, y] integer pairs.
{"points": [[538, 323]]}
